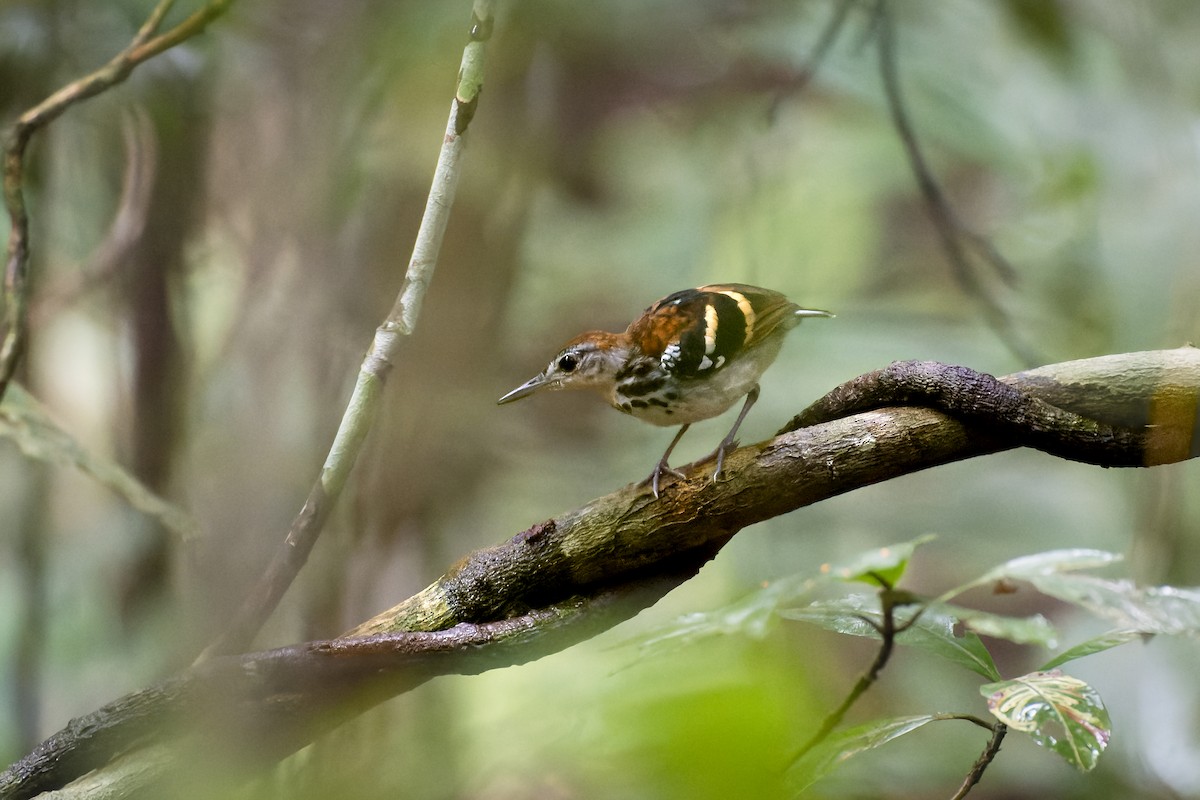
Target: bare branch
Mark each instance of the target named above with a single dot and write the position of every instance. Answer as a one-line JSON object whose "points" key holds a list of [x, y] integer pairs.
{"points": [[829, 35], [951, 230], [145, 45], [245, 712], [595, 565], [629, 531], [126, 228], [364, 403]]}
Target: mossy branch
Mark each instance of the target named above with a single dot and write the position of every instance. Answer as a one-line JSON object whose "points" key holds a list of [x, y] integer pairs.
{"points": [[1092, 410], [563, 580]]}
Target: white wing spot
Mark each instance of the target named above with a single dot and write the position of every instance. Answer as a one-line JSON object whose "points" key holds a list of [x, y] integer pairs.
{"points": [[670, 356], [706, 362]]}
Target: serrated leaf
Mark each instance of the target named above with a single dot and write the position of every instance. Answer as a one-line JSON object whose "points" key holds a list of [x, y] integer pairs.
{"points": [[886, 563], [1031, 566], [25, 422], [1057, 711], [1156, 609], [840, 747], [1095, 645]]}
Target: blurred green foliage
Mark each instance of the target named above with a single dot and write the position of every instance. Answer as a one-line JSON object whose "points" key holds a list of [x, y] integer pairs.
{"points": [[621, 151]]}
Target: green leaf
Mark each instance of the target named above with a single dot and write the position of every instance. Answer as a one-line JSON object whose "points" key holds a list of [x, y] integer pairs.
{"points": [[24, 421], [1098, 644], [753, 615], [887, 563], [840, 747], [1056, 561], [1057, 711], [1034, 629], [1038, 564], [933, 631], [1155, 609], [841, 615]]}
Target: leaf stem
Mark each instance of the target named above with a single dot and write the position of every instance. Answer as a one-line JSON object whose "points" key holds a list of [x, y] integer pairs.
{"points": [[887, 628]]}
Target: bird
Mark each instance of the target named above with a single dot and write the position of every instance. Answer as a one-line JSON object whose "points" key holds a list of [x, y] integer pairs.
{"points": [[689, 357]]}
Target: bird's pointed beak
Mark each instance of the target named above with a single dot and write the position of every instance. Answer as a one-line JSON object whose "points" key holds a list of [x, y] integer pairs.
{"points": [[525, 389]]}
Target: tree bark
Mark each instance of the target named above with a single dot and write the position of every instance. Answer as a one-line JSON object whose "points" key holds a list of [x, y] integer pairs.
{"points": [[567, 578]]}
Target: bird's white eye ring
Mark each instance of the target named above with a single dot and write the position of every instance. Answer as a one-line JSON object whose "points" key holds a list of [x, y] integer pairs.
{"points": [[568, 362]]}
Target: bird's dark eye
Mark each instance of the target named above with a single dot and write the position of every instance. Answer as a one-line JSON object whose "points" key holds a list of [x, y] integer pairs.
{"points": [[568, 363]]}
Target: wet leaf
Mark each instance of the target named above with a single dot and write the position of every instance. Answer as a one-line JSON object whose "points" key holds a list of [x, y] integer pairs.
{"points": [[753, 615], [933, 631], [1034, 629], [1095, 645], [841, 747], [1057, 711], [851, 615], [1032, 566], [887, 563], [1154, 609]]}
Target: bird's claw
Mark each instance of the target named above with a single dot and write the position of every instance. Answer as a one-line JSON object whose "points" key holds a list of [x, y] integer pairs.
{"points": [[721, 450], [660, 468]]}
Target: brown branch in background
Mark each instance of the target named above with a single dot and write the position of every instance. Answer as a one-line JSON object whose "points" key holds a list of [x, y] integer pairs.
{"points": [[126, 228], [364, 404], [955, 236], [825, 42], [248, 711], [15, 289]]}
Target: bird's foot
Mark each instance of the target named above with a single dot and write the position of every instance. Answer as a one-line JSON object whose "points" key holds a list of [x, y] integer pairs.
{"points": [[719, 454], [660, 469]]}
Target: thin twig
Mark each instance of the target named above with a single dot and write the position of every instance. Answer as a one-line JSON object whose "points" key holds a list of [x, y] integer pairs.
{"points": [[888, 630], [951, 230], [999, 730], [15, 289], [825, 42], [152, 23], [974, 720], [364, 403]]}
